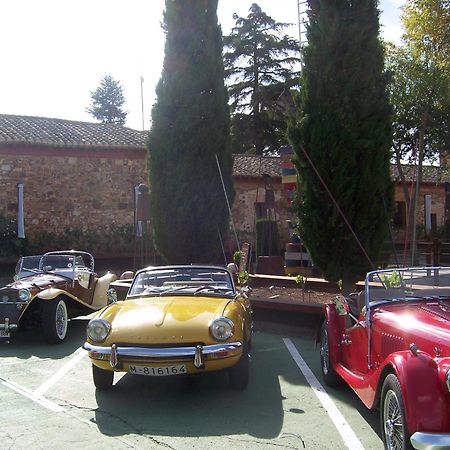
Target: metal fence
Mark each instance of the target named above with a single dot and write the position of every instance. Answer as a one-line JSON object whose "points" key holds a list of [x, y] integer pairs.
{"points": [[432, 253]]}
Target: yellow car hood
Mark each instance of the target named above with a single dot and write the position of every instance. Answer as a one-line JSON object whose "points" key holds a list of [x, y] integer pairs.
{"points": [[163, 320]]}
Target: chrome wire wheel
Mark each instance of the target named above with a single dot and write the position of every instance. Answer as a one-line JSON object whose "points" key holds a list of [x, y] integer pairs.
{"points": [[324, 351], [55, 320], [394, 428], [393, 422], [329, 375], [61, 320]]}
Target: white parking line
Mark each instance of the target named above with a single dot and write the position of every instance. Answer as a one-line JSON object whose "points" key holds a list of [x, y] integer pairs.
{"points": [[76, 357], [32, 396], [351, 441], [37, 395]]}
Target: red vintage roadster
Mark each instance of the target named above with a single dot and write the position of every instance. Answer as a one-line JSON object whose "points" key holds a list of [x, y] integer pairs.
{"points": [[391, 344]]}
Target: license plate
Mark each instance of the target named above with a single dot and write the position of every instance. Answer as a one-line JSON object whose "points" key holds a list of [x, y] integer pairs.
{"points": [[158, 371], [4, 334]]}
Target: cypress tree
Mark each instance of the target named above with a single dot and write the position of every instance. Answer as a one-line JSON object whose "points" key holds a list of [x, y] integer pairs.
{"points": [[190, 129], [343, 122]]}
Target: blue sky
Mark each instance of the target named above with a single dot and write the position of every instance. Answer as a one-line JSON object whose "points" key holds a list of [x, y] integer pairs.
{"points": [[55, 52]]}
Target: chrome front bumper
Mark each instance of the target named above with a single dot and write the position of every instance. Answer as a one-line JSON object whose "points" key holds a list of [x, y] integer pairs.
{"points": [[198, 353], [7, 326], [430, 441]]}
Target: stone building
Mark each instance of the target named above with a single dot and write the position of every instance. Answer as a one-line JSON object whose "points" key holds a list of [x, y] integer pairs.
{"points": [[79, 183], [77, 177]]}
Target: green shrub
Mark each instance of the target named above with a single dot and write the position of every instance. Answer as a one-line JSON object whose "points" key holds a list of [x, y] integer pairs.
{"points": [[111, 240], [10, 245]]}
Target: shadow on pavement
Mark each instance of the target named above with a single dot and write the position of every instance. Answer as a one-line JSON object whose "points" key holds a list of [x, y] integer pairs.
{"points": [[202, 405], [26, 343]]}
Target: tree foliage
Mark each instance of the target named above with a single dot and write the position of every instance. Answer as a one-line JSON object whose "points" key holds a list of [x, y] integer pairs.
{"points": [[259, 65], [343, 123], [107, 102], [420, 89], [190, 132]]}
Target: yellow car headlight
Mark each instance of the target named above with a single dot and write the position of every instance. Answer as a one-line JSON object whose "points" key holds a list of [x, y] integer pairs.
{"points": [[221, 329], [98, 329]]}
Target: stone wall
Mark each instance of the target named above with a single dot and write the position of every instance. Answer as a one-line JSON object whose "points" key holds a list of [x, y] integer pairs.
{"points": [[93, 190], [437, 192], [89, 190], [250, 190], [80, 189]]}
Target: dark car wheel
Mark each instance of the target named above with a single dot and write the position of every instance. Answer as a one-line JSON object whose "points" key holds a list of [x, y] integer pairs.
{"points": [[54, 320], [392, 414], [103, 379], [329, 375], [239, 374]]}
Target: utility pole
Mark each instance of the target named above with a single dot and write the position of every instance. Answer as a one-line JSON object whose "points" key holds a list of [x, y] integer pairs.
{"points": [[302, 8], [142, 101]]}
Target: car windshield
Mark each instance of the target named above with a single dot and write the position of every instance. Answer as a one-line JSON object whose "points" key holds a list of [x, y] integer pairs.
{"points": [[407, 284], [27, 266], [210, 281], [49, 263]]}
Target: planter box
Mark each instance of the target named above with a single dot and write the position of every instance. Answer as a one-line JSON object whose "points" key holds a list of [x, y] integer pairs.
{"points": [[313, 272], [270, 265]]}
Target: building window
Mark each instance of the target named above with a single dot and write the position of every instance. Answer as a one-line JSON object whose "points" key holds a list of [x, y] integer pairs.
{"points": [[400, 215]]}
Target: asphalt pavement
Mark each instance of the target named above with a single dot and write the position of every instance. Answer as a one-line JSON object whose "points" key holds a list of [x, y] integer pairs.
{"points": [[49, 401]]}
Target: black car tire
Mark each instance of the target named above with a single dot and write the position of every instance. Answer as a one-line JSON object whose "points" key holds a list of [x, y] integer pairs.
{"points": [[239, 373], [103, 379], [394, 430], [55, 320], [329, 375]]}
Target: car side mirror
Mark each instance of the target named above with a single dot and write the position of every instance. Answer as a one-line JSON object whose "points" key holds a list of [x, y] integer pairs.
{"points": [[246, 290], [111, 296]]}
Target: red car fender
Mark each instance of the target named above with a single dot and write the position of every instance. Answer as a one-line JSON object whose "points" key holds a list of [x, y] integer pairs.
{"points": [[425, 398]]}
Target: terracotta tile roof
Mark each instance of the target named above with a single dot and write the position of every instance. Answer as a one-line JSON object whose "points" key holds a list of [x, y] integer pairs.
{"points": [[430, 174], [66, 133], [254, 165]]}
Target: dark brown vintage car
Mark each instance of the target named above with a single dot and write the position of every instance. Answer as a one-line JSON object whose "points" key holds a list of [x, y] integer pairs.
{"points": [[62, 286]]}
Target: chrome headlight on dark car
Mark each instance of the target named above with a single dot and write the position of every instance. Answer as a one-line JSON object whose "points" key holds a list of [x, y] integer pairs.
{"points": [[24, 295], [221, 328], [98, 329]]}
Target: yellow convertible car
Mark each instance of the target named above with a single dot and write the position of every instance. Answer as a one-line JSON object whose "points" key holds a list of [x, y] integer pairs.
{"points": [[175, 320]]}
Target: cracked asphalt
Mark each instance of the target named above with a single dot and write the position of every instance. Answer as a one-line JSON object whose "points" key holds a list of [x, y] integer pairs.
{"points": [[48, 401]]}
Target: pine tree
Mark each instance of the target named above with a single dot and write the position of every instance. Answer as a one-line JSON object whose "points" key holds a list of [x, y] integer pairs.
{"points": [[344, 125], [190, 132], [259, 66], [107, 102]]}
